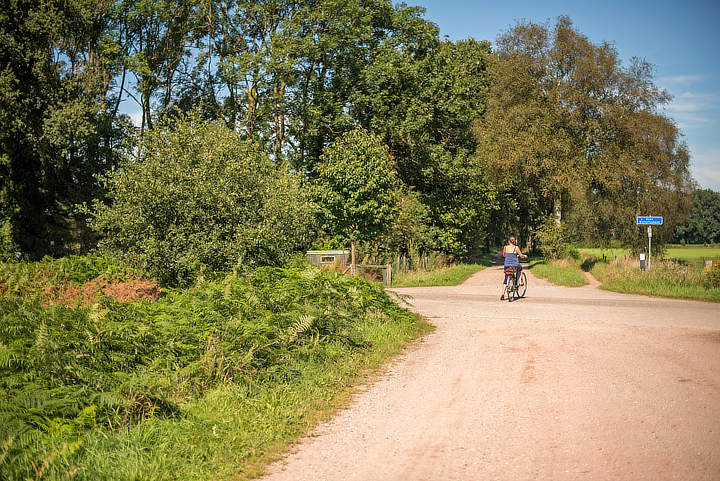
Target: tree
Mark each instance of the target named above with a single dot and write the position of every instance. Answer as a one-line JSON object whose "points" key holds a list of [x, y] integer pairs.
{"points": [[201, 197], [57, 64], [424, 97], [569, 128], [356, 187], [703, 224]]}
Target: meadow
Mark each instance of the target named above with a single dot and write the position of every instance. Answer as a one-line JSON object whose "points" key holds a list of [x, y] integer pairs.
{"points": [[563, 272]]}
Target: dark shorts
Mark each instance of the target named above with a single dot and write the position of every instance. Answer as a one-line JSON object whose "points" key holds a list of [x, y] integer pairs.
{"points": [[517, 269]]}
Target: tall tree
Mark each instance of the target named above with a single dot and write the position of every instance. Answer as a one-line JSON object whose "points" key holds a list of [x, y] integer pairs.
{"points": [[703, 223], [424, 98], [356, 188], [571, 128], [159, 35], [58, 64]]}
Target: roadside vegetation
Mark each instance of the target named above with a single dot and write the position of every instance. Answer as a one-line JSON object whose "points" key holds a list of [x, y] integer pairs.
{"points": [[695, 255], [202, 383], [563, 272], [665, 279], [442, 276]]}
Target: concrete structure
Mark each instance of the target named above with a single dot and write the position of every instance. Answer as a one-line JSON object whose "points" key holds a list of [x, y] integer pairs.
{"points": [[328, 258]]}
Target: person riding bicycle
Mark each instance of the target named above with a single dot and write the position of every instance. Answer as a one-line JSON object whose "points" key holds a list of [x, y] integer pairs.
{"points": [[512, 254]]}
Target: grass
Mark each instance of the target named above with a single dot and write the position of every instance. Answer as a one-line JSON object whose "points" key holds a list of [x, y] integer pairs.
{"points": [[206, 383], [666, 279], [234, 430], [444, 276], [690, 254], [693, 254], [563, 272], [610, 253]]}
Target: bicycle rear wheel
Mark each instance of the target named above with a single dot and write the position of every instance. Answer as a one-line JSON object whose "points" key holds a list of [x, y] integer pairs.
{"points": [[511, 288], [522, 285], [507, 288]]}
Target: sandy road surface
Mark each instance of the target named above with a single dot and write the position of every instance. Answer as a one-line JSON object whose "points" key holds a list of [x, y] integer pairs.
{"points": [[566, 384]]}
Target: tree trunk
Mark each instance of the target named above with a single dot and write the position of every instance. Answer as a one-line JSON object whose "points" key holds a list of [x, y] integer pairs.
{"points": [[557, 208]]}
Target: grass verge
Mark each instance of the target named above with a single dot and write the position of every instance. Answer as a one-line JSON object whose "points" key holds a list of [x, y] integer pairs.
{"points": [[694, 255], [207, 383], [666, 279], [563, 272], [444, 276]]}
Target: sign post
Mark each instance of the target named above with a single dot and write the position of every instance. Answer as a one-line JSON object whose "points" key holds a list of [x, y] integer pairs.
{"points": [[649, 221], [649, 246]]}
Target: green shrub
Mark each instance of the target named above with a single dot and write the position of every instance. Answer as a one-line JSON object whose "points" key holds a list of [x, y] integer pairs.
{"points": [[201, 199], [550, 238], [570, 250]]}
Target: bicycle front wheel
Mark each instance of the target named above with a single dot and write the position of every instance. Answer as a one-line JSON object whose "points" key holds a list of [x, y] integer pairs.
{"points": [[522, 285]]}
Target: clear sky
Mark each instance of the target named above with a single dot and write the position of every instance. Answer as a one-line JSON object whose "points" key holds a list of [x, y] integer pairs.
{"points": [[681, 38]]}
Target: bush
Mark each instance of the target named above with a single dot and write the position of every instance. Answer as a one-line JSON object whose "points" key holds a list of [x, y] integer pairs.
{"points": [[571, 251], [201, 199], [550, 239]]}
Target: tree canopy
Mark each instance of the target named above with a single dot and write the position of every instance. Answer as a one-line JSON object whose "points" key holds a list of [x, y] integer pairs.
{"points": [[571, 131], [356, 187], [480, 141], [703, 223]]}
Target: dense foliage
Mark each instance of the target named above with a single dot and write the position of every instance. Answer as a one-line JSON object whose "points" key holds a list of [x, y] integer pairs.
{"points": [[65, 371], [703, 224], [201, 197], [482, 143], [58, 63], [356, 187], [571, 131]]}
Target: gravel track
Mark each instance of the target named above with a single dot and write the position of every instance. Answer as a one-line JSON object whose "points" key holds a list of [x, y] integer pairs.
{"points": [[566, 384]]}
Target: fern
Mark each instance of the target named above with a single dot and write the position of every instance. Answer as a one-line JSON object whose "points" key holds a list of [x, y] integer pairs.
{"points": [[301, 326], [69, 370]]}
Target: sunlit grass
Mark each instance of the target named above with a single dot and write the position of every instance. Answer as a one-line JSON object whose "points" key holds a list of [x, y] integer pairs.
{"points": [[665, 279], [691, 254], [236, 429], [563, 272], [444, 276]]}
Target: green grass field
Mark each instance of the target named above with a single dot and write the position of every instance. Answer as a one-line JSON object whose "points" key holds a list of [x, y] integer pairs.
{"points": [[666, 279], [680, 274]]}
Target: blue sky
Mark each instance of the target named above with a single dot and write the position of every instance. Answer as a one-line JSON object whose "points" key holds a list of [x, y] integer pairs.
{"points": [[682, 40]]}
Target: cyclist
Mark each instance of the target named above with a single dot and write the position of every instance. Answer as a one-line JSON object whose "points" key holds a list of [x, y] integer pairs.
{"points": [[512, 254]]}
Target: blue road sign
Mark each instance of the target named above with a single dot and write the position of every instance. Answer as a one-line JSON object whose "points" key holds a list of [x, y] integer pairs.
{"points": [[649, 220]]}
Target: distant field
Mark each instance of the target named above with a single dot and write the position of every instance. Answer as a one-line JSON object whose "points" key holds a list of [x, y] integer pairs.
{"points": [[691, 254]]}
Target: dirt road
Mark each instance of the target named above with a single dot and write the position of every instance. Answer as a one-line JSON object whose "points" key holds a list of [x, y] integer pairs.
{"points": [[566, 384]]}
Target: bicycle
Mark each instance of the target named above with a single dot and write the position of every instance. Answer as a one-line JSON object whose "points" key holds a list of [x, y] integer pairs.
{"points": [[515, 286]]}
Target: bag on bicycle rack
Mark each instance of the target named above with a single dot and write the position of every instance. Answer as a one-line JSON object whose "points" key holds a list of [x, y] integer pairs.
{"points": [[511, 270]]}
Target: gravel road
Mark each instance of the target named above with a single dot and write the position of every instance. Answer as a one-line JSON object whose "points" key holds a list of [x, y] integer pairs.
{"points": [[566, 384]]}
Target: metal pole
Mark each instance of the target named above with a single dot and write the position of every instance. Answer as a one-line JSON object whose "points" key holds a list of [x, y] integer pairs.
{"points": [[649, 246]]}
